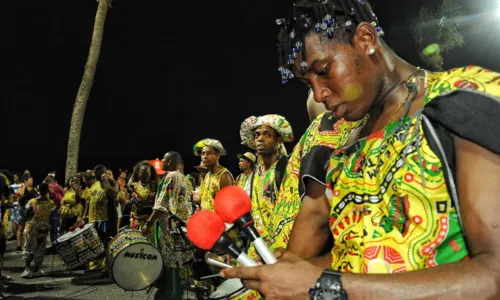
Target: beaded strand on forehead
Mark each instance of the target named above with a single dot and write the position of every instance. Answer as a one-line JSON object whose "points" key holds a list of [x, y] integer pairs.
{"points": [[334, 19]]}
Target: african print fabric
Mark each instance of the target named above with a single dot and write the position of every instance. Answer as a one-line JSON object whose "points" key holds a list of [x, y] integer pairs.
{"points": [[210, 187], [209, 143], [264, 194], [320, 133], [69, 207], [244, 181], [277, 122], [391, 211], [173, 197], [98, 202]]}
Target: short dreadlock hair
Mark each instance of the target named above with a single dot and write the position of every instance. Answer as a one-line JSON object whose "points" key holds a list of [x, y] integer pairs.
{"points": [[332, 19]]}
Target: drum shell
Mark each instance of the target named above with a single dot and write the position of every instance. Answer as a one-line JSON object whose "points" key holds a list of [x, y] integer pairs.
{"points": [[233, 289], [79, 247], [248, 295], [130, 245]]}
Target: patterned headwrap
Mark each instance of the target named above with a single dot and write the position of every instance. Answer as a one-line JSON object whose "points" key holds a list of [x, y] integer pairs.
{"points": [[276, 122], [208, 143]]}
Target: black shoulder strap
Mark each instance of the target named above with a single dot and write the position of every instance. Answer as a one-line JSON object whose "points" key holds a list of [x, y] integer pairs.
{"points": [[280, 170], [434, 140], [251, 182]]}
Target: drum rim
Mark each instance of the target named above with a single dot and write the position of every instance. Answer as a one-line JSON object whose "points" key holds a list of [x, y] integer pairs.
{"points": [[113, 274], [80, 230], [226, 296]]}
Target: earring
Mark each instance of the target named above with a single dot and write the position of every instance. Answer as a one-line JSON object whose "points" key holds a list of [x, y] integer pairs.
{"points": [[371, 51]]}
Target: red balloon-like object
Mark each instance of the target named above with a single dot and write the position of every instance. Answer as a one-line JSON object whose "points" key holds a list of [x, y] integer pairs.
{"points": [[204, 228], [232, 202]]}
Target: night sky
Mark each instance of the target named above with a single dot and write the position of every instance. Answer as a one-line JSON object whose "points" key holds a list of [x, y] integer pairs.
{"points": [[170, 74]]}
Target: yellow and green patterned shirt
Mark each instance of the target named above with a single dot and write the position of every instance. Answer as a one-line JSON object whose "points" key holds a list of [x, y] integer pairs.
{"points": [[244, 181], [98, 202], [264, 194], [210, 187], [391, 210], [320, 133]]}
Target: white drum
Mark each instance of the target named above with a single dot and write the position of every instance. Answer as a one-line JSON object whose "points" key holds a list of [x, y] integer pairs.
{"points": [[79, 247], [135, 264], [227, 289]]}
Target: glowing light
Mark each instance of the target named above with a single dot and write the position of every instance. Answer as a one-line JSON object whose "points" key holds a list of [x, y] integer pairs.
{"points": [[498, 12]]}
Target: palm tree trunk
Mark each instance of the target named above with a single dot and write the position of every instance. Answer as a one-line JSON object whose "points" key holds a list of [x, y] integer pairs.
{"points": [[75, 129]]}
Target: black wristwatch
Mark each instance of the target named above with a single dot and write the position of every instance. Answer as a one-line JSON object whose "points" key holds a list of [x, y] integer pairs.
{"points": [[328, 287]]}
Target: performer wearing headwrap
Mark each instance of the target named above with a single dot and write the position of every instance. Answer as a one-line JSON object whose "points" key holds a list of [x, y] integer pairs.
{"points": [[316, 143], [411, 195], [217, 176], [266, 134], [215, 179]]}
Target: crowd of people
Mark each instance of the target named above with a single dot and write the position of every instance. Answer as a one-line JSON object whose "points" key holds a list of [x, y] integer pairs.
{"points": [[396, 174]]}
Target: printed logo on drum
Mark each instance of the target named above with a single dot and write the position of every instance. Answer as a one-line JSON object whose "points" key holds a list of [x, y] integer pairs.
{"points": [[141, 255]]}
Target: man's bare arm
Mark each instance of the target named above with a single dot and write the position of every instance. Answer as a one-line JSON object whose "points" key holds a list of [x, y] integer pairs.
{"points": [[310, 230], [478, 175], [225, 180]]}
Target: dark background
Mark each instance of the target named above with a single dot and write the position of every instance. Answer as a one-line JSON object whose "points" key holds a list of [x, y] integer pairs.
{"points": [[170, 74]]}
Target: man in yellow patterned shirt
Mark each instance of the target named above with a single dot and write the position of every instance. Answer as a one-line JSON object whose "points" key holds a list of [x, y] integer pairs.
{"points": [[266, 134], [411, 193], [315, 142], [217, 176], [101, 208]]}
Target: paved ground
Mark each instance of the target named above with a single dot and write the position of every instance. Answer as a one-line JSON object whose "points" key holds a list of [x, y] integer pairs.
{"points": [[57, 283]]}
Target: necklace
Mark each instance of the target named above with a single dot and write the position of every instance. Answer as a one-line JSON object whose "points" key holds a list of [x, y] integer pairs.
{"points": [[360, 127], [412, 91], [402, 104]]}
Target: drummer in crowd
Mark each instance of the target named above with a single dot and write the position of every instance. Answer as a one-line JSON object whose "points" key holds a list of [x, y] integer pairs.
{"points": [[143, 184], [71, 204], [102, 210], [88, 180], [172, 203], [38, 229]]}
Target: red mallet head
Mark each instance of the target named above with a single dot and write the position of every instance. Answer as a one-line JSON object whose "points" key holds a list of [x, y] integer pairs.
{"points": [[204, 228], [231, 203]]}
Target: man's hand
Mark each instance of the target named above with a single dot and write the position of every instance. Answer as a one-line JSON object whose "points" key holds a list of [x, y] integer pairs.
{"points": [[145, 229], [290, 278], [104, 177]]}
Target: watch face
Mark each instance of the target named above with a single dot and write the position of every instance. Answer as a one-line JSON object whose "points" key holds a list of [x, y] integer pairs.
{"points": [[326, 295]]}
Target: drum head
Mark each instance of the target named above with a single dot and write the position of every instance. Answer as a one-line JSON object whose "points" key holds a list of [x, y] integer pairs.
{"points": [[65, 237], [227, 289], [137, 266], [71, 234]]}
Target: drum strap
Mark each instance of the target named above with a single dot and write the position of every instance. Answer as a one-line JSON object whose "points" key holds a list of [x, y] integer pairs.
{"points": [[157, 233]]}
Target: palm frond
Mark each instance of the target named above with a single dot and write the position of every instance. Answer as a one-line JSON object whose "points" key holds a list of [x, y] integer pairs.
{"points": [[439, 27]]}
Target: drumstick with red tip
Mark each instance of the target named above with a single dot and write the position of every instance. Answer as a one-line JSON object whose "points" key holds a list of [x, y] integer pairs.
{"points": [[207, 231], [233, 205]]}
